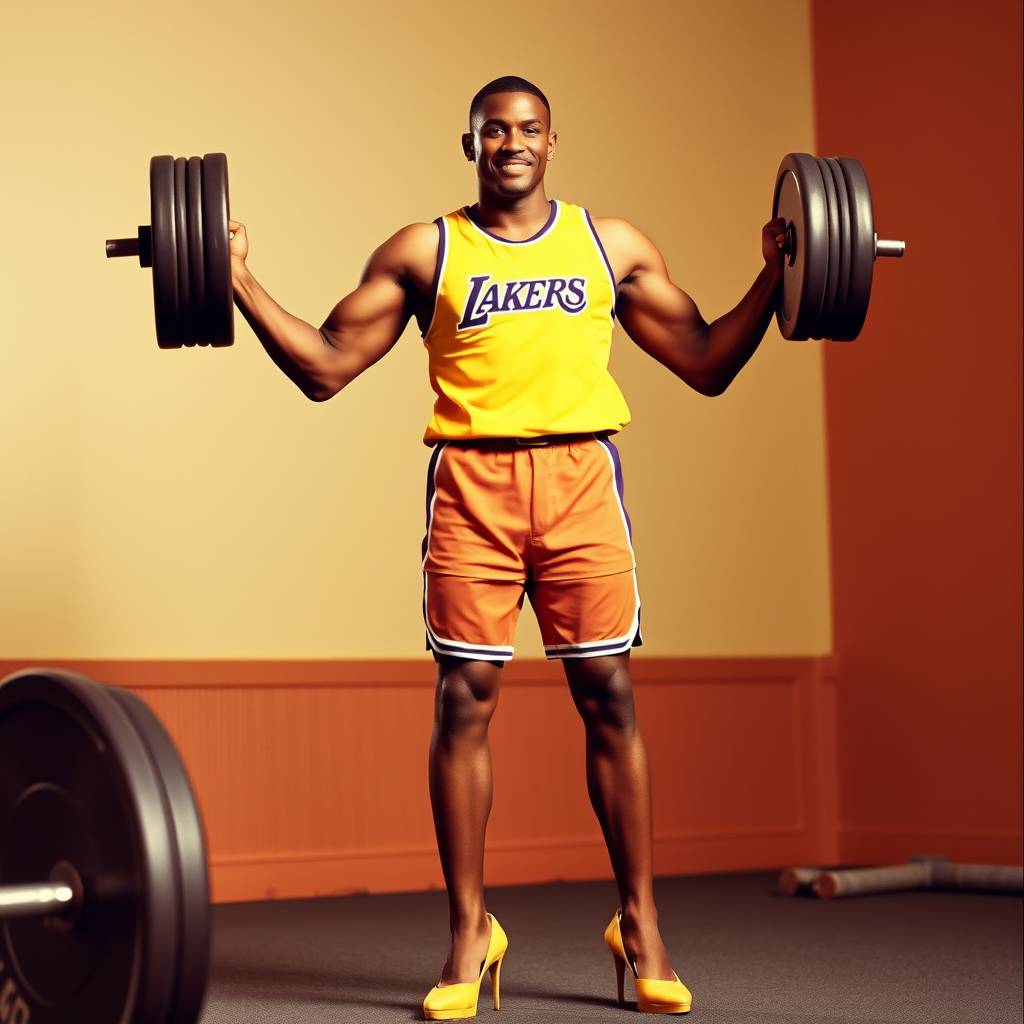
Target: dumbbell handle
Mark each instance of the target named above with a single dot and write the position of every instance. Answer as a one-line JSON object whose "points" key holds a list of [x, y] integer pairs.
{"points": [[34, 899], [122, 247], [885, 247], [141, 246]]}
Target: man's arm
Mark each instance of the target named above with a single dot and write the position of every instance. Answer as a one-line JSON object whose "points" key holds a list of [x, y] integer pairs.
{"points": [[665, 322], [361, 329]]}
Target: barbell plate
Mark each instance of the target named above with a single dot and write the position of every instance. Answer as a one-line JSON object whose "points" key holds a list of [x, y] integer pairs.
{"points": [[800, 199], [219, 292], [189, 850], [186, 328], [862, 248], [164, 251], [43, 826], [78, 785], [196, 259], [843, 293], [832, 274]]}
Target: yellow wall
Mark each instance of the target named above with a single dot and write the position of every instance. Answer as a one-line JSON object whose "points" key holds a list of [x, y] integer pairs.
{"points": [[193, 503]]}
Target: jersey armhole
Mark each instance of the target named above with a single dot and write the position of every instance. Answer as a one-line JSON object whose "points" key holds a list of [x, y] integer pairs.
{"points": [[604, 256], [435, 288]]}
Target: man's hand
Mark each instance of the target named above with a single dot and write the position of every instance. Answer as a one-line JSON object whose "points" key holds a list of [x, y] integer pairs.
{"points": [[239, 244], [773, 238]]}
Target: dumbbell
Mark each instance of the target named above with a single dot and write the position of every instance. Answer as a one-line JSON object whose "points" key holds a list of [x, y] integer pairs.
{"points": [[104, 892], [830, 248], [187, 245]]}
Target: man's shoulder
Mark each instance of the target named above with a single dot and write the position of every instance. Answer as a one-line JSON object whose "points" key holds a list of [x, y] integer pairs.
{"points": [[417, 234], [411, 242], [622, 237], [613, 225], [409, 254]]}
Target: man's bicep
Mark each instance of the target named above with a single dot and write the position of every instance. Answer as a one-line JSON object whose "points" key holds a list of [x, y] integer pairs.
{"points": [[663, 320], [365, 325]]}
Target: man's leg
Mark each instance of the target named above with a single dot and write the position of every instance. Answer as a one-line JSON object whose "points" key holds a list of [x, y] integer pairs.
{"points": [[460, 795], [619, 786]]}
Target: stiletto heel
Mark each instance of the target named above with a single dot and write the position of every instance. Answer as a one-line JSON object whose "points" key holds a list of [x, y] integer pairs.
{"points": [[495, 981], [458, 1001], [653, 995]]}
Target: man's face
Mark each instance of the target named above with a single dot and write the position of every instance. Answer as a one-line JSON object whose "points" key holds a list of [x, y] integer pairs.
{"points": [[511, 143]]}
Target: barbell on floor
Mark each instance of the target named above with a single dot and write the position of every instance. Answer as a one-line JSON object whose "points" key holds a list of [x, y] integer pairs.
{"points": [[105, 897], [924, 871], [830, 249]]}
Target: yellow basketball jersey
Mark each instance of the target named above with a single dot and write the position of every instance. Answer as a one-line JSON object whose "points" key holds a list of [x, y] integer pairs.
{"points": [[521, 331]]}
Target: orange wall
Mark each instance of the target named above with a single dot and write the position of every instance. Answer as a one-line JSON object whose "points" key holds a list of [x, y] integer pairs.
{"points": [[924, 429], [312, 775]]}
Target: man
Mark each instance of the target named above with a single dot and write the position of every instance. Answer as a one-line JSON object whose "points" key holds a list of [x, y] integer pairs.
{"points": [[515, 297]]}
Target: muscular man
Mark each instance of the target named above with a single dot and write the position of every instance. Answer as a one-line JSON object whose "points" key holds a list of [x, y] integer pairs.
{"points": [[516, 297]]}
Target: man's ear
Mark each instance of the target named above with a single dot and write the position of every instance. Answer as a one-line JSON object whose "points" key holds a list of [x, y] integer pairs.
{"points": [[467, 146], [552, 142]]}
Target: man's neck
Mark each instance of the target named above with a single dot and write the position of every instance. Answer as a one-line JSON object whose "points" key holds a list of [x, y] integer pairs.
{"points": [[513, 216]]}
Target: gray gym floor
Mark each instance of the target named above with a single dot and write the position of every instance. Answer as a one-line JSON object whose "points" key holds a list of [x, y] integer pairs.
{"points": [[748, 955]]}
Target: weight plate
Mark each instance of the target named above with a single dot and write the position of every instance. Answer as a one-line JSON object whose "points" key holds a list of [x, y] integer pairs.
{"points": [[77, 785], [862, 248], [843, 293], [800, 199], [185, 328], [44, 827], [189, 850], [823, 328], [219, 293], [164, 250], [196, 261]]}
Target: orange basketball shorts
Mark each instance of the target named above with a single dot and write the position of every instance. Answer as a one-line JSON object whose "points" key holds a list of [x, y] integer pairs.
{"points": [[545, 521]]}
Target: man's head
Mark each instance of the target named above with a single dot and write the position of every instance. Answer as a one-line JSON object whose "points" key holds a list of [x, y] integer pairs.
{"points": [[510, 138]]}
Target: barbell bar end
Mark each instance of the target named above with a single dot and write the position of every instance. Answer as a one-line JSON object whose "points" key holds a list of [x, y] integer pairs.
{"points": [[141, 247], [122, 247], [35, 898], [887, 247]]}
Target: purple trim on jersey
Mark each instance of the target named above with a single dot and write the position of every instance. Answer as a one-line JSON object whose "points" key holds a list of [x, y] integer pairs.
{"points": [[437, 274], [515, 241], [435, 455], [607, 262], [619, 486]]}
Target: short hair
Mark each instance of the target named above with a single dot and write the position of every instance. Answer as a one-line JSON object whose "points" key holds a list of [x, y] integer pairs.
{"points": [[507, 83]]}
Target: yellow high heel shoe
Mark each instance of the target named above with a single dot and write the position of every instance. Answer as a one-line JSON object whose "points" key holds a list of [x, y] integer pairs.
{"points": [[653, 995], [454, 1002]]}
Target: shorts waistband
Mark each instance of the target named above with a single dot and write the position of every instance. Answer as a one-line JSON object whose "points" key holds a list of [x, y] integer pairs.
{"points": [[513, 443]]}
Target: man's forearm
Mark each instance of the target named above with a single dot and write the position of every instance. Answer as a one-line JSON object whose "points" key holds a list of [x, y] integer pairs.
{"points": [[733, 338], [298, 348]]}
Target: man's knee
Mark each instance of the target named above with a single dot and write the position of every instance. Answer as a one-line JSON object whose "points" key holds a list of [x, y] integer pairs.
{"points": [[602, 690], [467, 692]]}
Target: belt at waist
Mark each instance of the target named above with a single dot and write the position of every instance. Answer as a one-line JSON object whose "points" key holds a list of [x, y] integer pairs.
{"points": [[512, 443]]}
